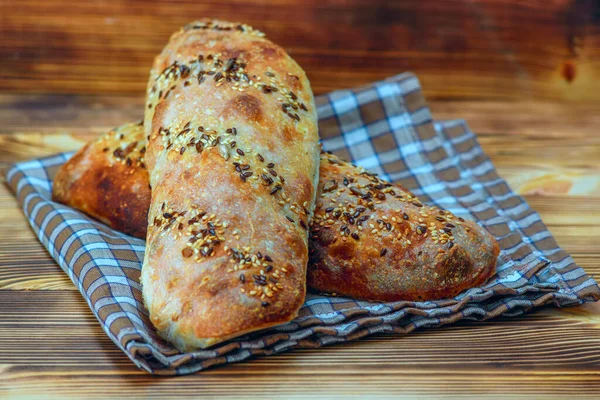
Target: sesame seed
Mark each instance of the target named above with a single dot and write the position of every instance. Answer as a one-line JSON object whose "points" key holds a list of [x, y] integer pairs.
{"points": [[223, 151]]}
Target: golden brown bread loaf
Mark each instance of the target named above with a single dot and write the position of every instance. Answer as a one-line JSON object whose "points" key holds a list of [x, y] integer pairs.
{"points": [[340, 263], [373, 240], [107, 179], [233, 161]]}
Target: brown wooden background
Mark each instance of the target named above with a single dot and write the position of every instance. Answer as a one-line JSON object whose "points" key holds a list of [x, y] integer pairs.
{"points": [[524, 74], [484, 49]]}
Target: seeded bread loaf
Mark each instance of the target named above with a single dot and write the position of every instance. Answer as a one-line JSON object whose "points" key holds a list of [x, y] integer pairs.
{"points": [[346, 244], [107, 179], [375, 241], [233, 161]]}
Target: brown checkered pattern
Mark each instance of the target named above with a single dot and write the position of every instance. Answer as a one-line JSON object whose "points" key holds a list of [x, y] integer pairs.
{"points": [[385, 127]]}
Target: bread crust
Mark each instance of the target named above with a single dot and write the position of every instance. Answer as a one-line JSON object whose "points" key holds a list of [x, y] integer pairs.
{"points": [[107, 180], [233, 162], [376, 241]]}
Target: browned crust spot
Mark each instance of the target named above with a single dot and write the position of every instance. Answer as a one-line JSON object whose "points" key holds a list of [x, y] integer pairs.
{"points": [[247, 106]]}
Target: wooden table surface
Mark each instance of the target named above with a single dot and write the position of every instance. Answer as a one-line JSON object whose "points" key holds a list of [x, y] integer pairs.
{"points": [[524, 77]]}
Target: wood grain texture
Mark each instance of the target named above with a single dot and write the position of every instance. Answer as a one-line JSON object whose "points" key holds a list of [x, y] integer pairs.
{"points": [[493, 49], [51, 346], [558, 354], [527, 60]]}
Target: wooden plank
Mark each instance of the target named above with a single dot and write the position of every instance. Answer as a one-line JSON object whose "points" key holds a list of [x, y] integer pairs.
{"points": [[566, 135], [75, 114], [51, 344], [86, 113], [523, 117], [461, 49]]}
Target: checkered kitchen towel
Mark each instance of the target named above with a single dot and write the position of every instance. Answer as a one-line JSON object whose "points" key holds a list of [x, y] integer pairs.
{"points": [[386, 128]]}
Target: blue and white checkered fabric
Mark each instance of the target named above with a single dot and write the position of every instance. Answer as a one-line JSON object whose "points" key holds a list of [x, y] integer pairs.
{"points": [[386, 128]]}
